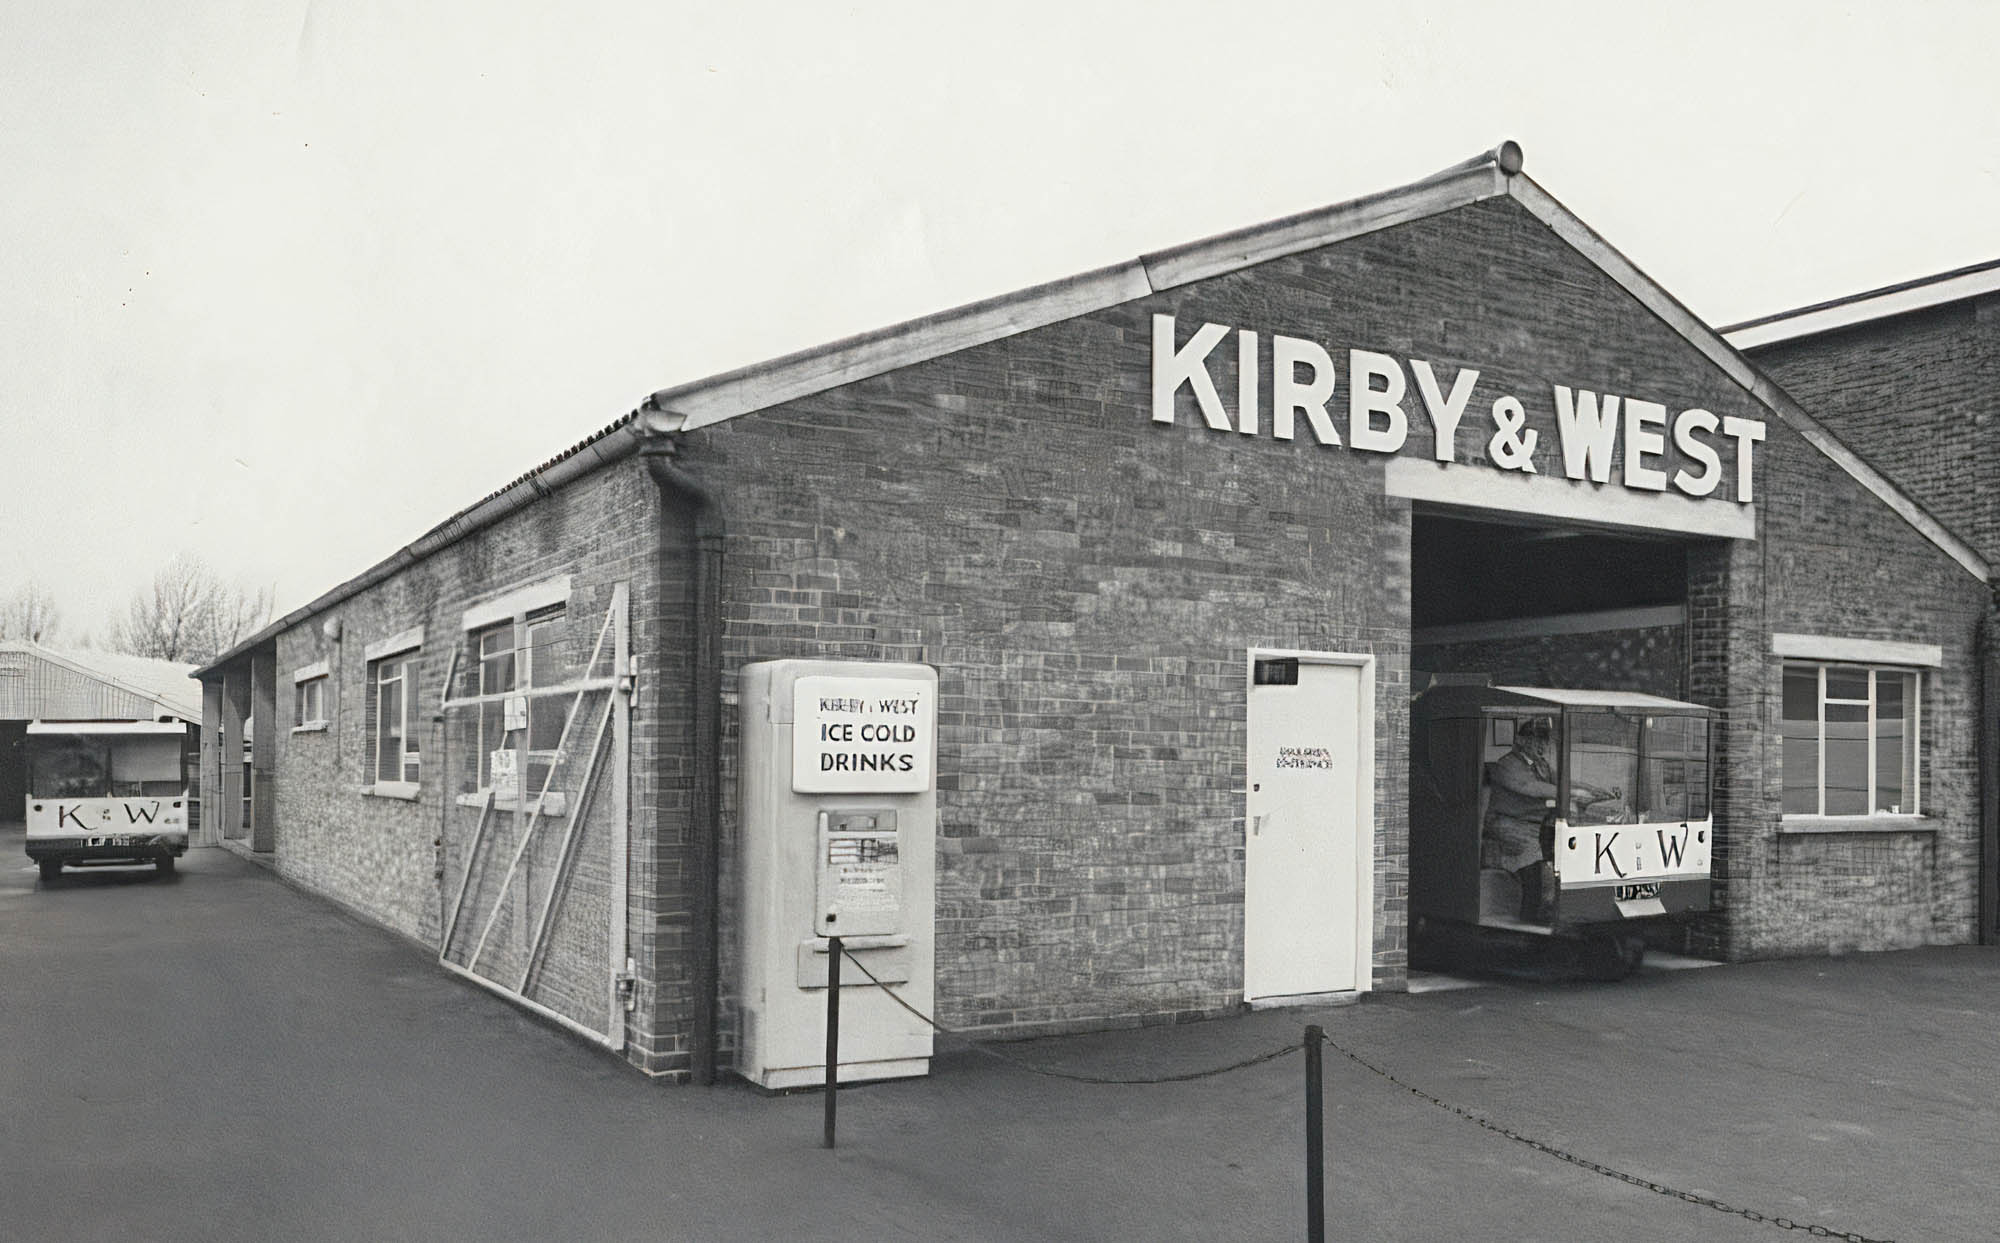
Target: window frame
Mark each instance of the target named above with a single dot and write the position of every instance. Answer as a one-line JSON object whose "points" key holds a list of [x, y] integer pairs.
{"points": [[1913, 748], [312, 687], [403, 653], [523, 678]]}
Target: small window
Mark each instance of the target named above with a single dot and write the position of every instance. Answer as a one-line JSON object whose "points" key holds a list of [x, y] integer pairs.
{"points": [[1849, 735], [309, 703]]}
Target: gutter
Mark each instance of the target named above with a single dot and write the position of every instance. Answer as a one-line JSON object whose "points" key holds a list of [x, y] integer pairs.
{"points": [[706, 539]]}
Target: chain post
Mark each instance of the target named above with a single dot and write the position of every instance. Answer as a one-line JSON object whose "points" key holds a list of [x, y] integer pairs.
{"points": [[833, 953], [1315, 1139]]}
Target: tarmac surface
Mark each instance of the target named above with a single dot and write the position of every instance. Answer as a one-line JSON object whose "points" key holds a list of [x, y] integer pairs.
{"points": [[217, 1056]]}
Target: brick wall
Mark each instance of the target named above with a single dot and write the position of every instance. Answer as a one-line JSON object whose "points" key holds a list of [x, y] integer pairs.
{"points": [[1918, 395], [1832, 561], [378, 855]]}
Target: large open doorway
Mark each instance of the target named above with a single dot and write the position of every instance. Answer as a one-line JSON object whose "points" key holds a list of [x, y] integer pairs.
{"points": [[1516, 603], [1570, 617]]}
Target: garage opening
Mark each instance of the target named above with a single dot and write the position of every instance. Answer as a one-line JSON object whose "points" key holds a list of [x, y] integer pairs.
{"points": [[1598, 619], [1519, 604]]}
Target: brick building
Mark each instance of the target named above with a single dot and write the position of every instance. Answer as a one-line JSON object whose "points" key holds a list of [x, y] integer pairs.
{"points": [[1910, 376], [1388, 439]]}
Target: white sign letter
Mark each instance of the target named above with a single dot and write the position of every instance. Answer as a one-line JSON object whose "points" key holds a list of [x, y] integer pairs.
{"points": [[1685, 428], [1745, 432], [1445, 412], [1587, 438], [1289, 396], [1640, 418], [1365, 401], [1246, 382], [1187, 365]]}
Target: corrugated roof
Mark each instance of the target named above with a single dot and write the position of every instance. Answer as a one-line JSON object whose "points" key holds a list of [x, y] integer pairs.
{"points": [[169, 685]]}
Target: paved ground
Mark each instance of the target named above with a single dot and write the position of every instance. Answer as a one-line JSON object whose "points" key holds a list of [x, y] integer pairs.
{"points": [[216, 1056]]}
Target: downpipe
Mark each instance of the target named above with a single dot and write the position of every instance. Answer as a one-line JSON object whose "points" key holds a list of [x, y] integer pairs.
{"points": [[706, 531]]}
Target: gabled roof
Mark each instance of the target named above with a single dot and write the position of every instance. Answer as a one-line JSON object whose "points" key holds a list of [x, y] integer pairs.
{"points": [[169, 687], [1493, 174], [1864, 308]]}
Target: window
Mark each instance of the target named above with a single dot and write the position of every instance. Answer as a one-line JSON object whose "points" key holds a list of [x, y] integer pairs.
{"points": [[393, 688], [1850, 740], [516, 657], [309, 703], [1635, 766], [393, 720]]}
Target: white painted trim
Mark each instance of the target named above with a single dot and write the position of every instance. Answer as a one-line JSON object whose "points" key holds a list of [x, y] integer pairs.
{"points": [[318, 669], [1879, 822], [1553, 624], [511, 604], [1369, 833], [402, 641], [1858, 651], [1863, 309], [760, 386], [1417, 479], [1720, 352], [764, 385], [1234, 251], [406, 791]]}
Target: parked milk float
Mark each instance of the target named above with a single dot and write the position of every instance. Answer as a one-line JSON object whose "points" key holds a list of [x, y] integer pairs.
{"points": [[1539, 814]]}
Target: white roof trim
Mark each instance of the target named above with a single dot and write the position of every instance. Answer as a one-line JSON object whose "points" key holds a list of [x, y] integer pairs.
{"points": [[764, 385], [1866, 308], [1858, 651], [1739, 369]]}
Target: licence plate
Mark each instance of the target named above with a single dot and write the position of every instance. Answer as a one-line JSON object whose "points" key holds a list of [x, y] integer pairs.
{"points": [[116, 839], [1635, 893]]}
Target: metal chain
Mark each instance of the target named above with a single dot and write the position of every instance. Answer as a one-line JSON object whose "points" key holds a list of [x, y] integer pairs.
{"points": [[1595, 1167], [995, 1054], [1598, 1167]]}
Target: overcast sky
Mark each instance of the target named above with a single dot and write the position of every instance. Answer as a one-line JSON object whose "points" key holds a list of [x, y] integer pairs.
{"points": [[285, 284]]}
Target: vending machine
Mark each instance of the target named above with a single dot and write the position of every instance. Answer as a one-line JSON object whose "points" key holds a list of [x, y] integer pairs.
{"points": [[838, 765]]}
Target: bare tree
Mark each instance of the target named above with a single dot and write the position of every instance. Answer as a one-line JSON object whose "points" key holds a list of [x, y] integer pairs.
{"points": [[30, 613], [189, 614]]}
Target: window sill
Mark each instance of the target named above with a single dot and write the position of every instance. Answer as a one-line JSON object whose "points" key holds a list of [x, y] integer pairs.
{"points": [[1883, 823], [311, 727], [404, 790], [554, 803]]}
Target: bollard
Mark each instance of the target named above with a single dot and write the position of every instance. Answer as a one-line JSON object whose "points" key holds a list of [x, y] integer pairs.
{"points": [[832, 1033], [1315, 1141]]}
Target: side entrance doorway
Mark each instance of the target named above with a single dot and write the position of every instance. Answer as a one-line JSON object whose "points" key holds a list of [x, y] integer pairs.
{"points": [[1309, 825]]}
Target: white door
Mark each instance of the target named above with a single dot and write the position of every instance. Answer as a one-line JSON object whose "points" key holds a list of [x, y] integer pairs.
{"points": [[1309, 825]]}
